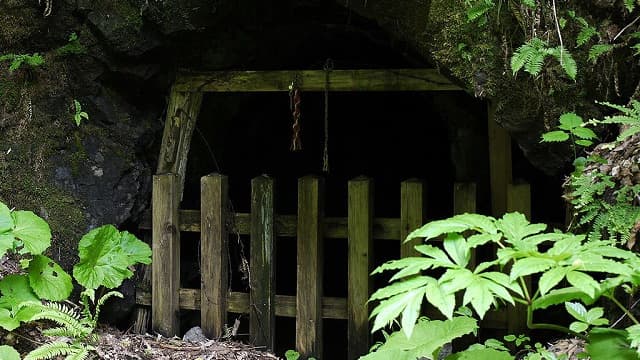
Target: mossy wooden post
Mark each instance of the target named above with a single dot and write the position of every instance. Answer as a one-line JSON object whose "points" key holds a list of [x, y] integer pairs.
{"points": [[360, 240], [464, 201], [499, 164], [213, 255], [412, 199], [165, 281], [309, 287], [518, 199], [262, 318]]}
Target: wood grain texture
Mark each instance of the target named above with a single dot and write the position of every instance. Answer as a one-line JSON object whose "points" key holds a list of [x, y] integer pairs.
{"points": [[314, 80], [309, 260], [165, 277], [214, 255], [500, 170], [360, 259], [262, 279], [412, 199]]}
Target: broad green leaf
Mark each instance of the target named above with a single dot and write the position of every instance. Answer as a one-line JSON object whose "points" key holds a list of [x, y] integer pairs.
{"points": [[560, 296], [515, 227], [610, 344], [578, 326], [15, 290], [7, 321], [566, 247], [504, 280], [398, 264], [480, 239], [555, 136], [443, 301], [388, 310], [594, 316], [481, 354], [440, 257], [427, 337], [577, 310], [481, 223], [584, 133], [400, 287], [570, 121], [6, 221], [6, 243], [437, 228], [48, 280], [103, 262], [454, 280], [135, 249], [411, 311], [8, 353], [530, 265], [413, 267], [457, 249], [32, 230], [498, 290], [585, 143], [551, 278], [584, 282]]}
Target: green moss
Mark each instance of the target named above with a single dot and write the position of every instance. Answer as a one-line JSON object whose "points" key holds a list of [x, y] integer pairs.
{"points": [[10, 93]]}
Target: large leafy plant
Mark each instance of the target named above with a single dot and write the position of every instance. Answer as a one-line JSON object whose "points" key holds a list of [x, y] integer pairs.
{"points": [[561, 267]]}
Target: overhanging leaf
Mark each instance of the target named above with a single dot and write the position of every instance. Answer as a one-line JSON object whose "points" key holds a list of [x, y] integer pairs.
{"points": [[8, 353], [135, 250], [570, 121], [530, 265], [6, 221], [559, 296], [551, 278]]}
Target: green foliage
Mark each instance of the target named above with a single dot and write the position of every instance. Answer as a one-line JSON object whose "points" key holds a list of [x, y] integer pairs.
{"points": [[586, 31], [532, 54], [567, 268], [17, 60], [294, 355], [78, 113], [8, 353], [629, 117], [605, 343], [73, 47], [596, 51], [571, 125], [106, 255], [426, 340]]}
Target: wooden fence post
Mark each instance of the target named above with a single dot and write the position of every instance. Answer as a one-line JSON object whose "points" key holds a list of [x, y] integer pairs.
{"points": [[499, 163], [310, 249], [262, 318], [518, 199], [166, 255], [464, 201], [411, 214], [213, 255], [360, 230]]}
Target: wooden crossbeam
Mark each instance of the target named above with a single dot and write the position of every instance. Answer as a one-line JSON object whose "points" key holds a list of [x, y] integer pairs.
{"points": [[315, 80]]}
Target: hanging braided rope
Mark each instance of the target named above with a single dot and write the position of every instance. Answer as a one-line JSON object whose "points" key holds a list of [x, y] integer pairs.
{"points": [[294, 105], [328, 67]]}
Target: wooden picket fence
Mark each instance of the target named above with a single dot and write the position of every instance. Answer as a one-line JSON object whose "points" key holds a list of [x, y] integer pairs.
{"points": [[310, 227]]}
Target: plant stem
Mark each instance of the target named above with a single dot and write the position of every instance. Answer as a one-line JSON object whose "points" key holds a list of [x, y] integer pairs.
{"points": [[554, 327], [525, 288], [624, 309]]}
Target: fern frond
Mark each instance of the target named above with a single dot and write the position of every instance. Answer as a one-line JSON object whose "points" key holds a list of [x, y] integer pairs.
{"points": [[598, 50], [51, 350], [478, 9], [103, 300], [81, 354], [585, 34], [66, 317]]}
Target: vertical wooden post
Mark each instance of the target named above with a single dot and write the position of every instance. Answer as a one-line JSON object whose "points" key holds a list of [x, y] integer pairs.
{"points": [[213, 255], [411, 214], [360, 230], [310, 249], [166, 255], [464, 201], [499, 164], [262, 319], [518, 199]]}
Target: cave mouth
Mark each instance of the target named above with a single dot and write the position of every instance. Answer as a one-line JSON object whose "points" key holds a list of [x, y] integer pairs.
{"points": [[440, 138]]}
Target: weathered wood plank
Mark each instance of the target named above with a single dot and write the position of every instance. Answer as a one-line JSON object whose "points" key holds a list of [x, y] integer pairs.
{"points": [[214, 255], [309, 260], [518, 199], [238, 302], [464, 201], [411, 214], [314, 80], [360, 208], [182, 112], [262, 319], [165, 279], [499, 164], [286, 225]]}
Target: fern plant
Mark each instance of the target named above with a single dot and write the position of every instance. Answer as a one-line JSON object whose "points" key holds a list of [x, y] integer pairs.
{"points": [[78, 326], [532, 54], [17, 60], [629, 118]]}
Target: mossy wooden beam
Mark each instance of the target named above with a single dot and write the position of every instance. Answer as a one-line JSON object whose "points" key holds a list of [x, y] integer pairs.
{"points": [[314, 80]]}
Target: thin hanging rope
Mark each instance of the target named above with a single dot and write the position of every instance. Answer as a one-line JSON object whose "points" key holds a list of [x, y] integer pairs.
{"points": [[328, 67], [295, 106]]}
